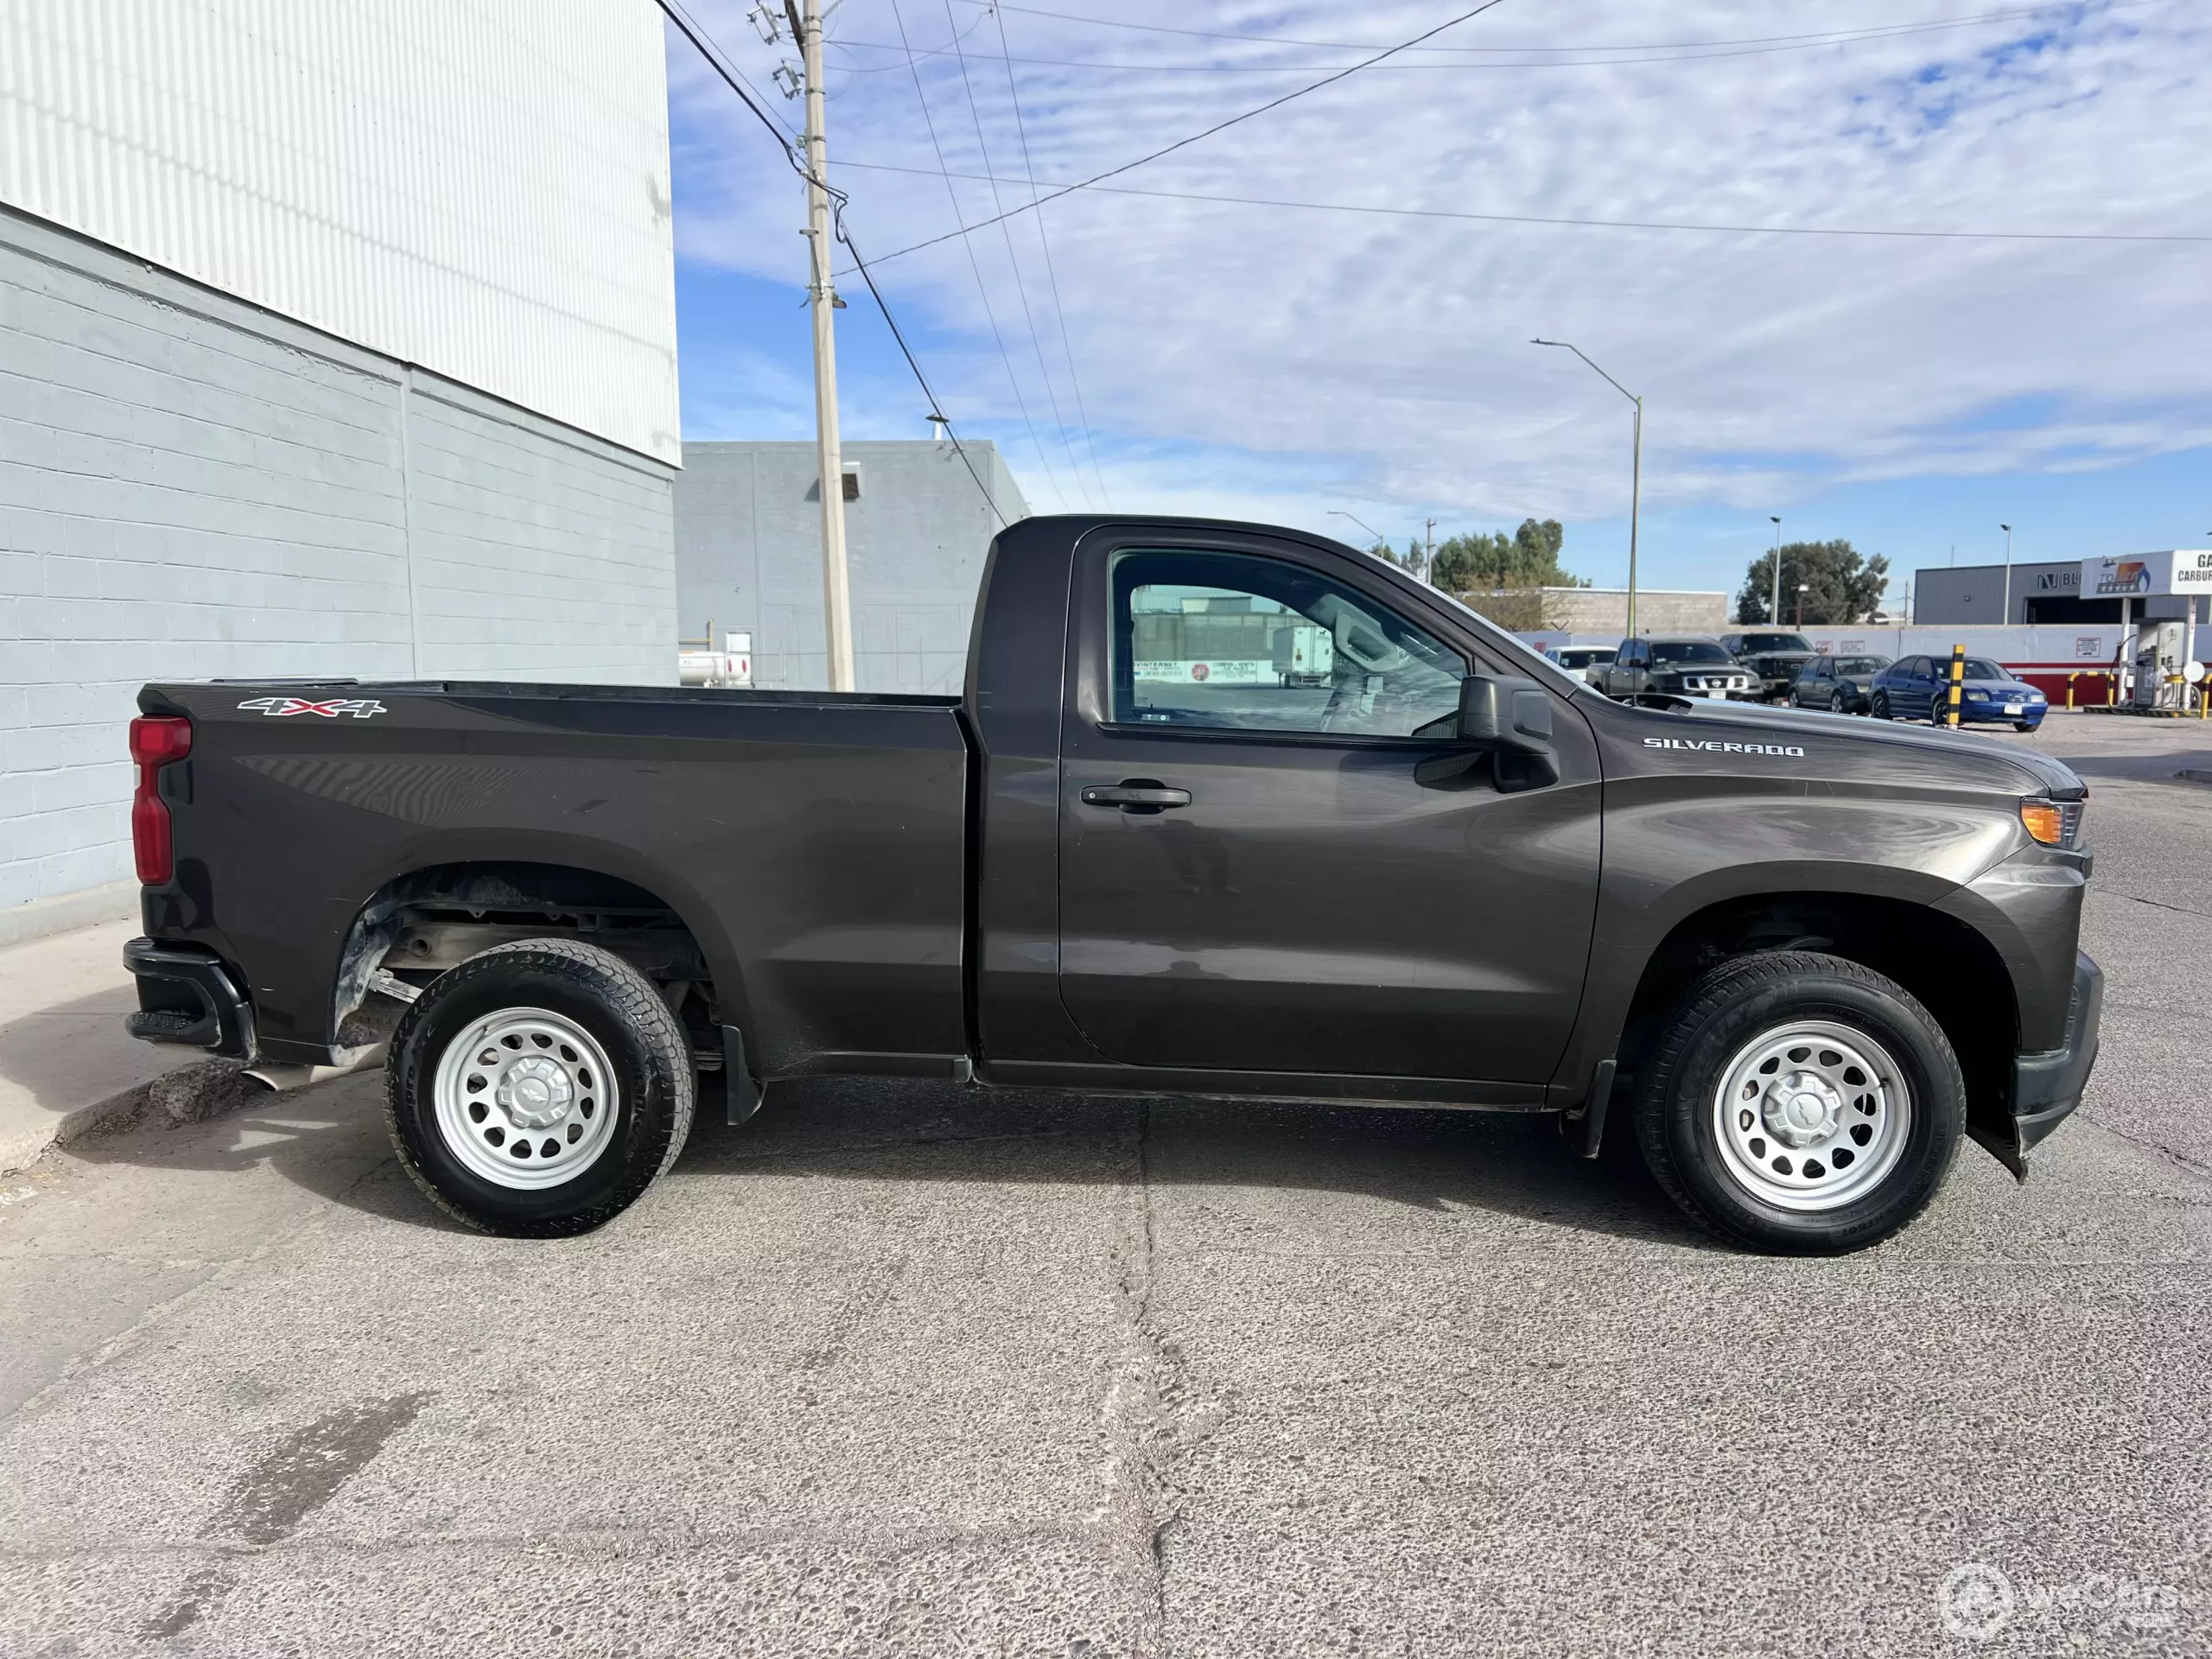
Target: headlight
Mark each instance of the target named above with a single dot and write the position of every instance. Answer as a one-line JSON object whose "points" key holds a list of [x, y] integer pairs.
{"points": [[1977, 697], [2035, 696]]}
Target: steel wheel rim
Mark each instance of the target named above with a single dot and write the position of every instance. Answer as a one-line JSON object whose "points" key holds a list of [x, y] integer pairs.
{"points": [[1811, 1115], [525, 1099]]}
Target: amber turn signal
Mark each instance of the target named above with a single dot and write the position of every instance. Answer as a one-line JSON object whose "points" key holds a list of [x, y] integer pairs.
{"points": [[2044, 821]]}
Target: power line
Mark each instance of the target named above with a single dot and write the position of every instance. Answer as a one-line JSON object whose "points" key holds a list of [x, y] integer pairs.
{"points": [[703, 44], [1020, 283], [2062, 6], [1587, 224], [1052, 276], [975, 265], [1652, 55], [1218, 126]]}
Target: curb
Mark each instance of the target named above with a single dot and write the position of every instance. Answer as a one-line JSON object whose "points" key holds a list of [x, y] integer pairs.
{"points": [[43, 917], [191, 1093]]}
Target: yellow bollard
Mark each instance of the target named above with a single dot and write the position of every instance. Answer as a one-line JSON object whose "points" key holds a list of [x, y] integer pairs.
{"points": [[2070, 679], [1958, 681]]}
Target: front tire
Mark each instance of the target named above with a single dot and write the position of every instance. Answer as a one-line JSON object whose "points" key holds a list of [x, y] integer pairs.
{"points": [[537, 1090], [1800, 1104]]}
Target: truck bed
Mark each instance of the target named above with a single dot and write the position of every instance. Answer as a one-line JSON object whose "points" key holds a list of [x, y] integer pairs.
{"points": [[812, 842]]}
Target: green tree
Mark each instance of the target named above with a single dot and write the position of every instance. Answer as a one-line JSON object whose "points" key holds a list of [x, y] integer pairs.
{"points": [[1841, 587], [1496, 563]]}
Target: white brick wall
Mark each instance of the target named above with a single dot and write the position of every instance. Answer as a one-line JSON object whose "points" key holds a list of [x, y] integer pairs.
{"points": [[191, 488]]}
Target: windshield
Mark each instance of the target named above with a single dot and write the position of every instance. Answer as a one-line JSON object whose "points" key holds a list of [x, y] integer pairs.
{"points": [[1849, 665], [1688, 651], [1776, 642], [1980, 668], [1584, 658]]}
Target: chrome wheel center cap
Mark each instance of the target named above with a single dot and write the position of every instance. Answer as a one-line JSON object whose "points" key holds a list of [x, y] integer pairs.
{"points": [[1801, 1108], [534, 1093]]}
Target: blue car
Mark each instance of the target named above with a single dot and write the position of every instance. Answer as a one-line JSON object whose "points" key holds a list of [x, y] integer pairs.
{"points": [[1919, 688]]}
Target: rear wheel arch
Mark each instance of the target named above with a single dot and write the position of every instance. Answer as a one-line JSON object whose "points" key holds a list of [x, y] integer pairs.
{"points": [[463, 906]]}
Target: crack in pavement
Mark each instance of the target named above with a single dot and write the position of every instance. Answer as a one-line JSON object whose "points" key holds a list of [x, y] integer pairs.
{"points": [[1152, 1422]]}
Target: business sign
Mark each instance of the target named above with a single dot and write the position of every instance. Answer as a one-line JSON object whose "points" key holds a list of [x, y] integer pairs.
{"points": [[2139, 575], [1187, 672]]}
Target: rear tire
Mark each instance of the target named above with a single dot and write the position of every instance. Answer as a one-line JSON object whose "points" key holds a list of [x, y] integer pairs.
{"points": [[1837, 704], [538, 1089], [1880, 707], [1800, 1104]]}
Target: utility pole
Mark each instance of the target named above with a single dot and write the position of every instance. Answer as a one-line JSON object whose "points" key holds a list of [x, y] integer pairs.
{"points": [[822, 298], [1428, 555], [1774, 616]]}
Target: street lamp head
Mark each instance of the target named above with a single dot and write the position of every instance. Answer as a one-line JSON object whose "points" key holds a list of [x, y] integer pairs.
{"points": [[1773, 518]]}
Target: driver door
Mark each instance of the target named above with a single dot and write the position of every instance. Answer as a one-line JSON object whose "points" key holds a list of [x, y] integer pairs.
{"points": [[1257, 877]]}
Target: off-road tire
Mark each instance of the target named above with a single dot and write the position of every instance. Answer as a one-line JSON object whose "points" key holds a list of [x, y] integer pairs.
{"points": [[651, 1061], [1729, 1008]]}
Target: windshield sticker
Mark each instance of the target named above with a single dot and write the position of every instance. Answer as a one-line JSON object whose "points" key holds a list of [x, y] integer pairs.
{"points": [[360, 707], [1719, 747]]}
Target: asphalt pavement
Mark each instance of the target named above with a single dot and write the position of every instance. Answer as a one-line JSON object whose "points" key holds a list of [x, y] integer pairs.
{"points": [[902, 1369]]}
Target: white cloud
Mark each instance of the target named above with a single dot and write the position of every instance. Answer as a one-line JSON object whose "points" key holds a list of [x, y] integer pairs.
{"points": [[1395, 349]]}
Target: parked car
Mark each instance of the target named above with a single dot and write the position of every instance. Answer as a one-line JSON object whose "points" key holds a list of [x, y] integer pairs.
{"points": [[1578, 660], [1842, 685], [1919, 688], [1676, 665], [1801, 957], [1776, 658]]}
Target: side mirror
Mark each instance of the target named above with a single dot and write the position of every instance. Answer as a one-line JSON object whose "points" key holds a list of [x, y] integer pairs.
{"points": [[1511, 718]]}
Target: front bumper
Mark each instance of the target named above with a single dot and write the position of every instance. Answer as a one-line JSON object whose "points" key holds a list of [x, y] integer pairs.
{"points": [[187, 996], [2047, 1086]]}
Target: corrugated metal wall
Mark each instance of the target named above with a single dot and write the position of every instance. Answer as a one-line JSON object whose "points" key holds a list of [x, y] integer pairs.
{"points": [[478, 187]]}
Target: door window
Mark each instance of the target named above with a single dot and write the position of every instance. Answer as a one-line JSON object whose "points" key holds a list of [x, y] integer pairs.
{"points": [[1240, 642]]}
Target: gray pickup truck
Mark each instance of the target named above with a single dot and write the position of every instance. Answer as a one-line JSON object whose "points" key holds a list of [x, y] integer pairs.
{"points": [[1798, 957]]}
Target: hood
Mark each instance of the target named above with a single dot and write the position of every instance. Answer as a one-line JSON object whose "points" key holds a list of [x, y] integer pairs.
{"points": [[2043, 774]]}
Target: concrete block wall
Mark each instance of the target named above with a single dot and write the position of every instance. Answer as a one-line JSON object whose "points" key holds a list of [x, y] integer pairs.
{"points": [[748, 555], [191, 487]]}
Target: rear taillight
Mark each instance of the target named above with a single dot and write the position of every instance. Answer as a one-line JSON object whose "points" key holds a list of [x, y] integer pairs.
{"points": [[155, 739]]}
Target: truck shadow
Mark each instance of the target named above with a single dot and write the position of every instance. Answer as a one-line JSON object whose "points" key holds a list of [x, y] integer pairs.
{"points": [[330, 1141], [1513, 1166]]}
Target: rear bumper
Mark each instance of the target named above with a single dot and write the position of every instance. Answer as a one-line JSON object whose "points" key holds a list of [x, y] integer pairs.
{"points": [[2047, 1086], [187, 996]]}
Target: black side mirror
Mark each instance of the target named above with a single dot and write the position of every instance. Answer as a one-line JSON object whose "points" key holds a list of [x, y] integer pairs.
{"points": [[1511, 718]]}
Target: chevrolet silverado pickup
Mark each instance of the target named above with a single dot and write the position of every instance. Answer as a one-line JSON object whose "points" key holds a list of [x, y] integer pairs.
{"points": [[1798, 957]]}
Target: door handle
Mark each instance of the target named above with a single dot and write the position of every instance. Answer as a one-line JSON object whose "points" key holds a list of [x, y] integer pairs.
{"points": [[1135, 795]]}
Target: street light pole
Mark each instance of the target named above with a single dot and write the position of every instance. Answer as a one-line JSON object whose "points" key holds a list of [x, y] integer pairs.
{"points": [[2005, 613], [1774, 613], [1340, 513], [1636, 470], [1801, 608]]}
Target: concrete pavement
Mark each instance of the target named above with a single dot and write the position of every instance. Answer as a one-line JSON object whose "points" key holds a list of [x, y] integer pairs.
{"points": [[900, 1369]]}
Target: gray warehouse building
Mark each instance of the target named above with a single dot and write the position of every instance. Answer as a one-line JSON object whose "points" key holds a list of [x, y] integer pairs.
{"points": [[324, 350], [748, 555], [2022, 594]]}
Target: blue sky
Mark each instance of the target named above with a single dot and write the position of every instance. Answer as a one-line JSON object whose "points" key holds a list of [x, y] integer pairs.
{"points": [[1910, 394]]}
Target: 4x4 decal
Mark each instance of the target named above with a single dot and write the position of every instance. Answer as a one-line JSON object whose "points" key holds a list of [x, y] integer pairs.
{"points": [[360, 707]]}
